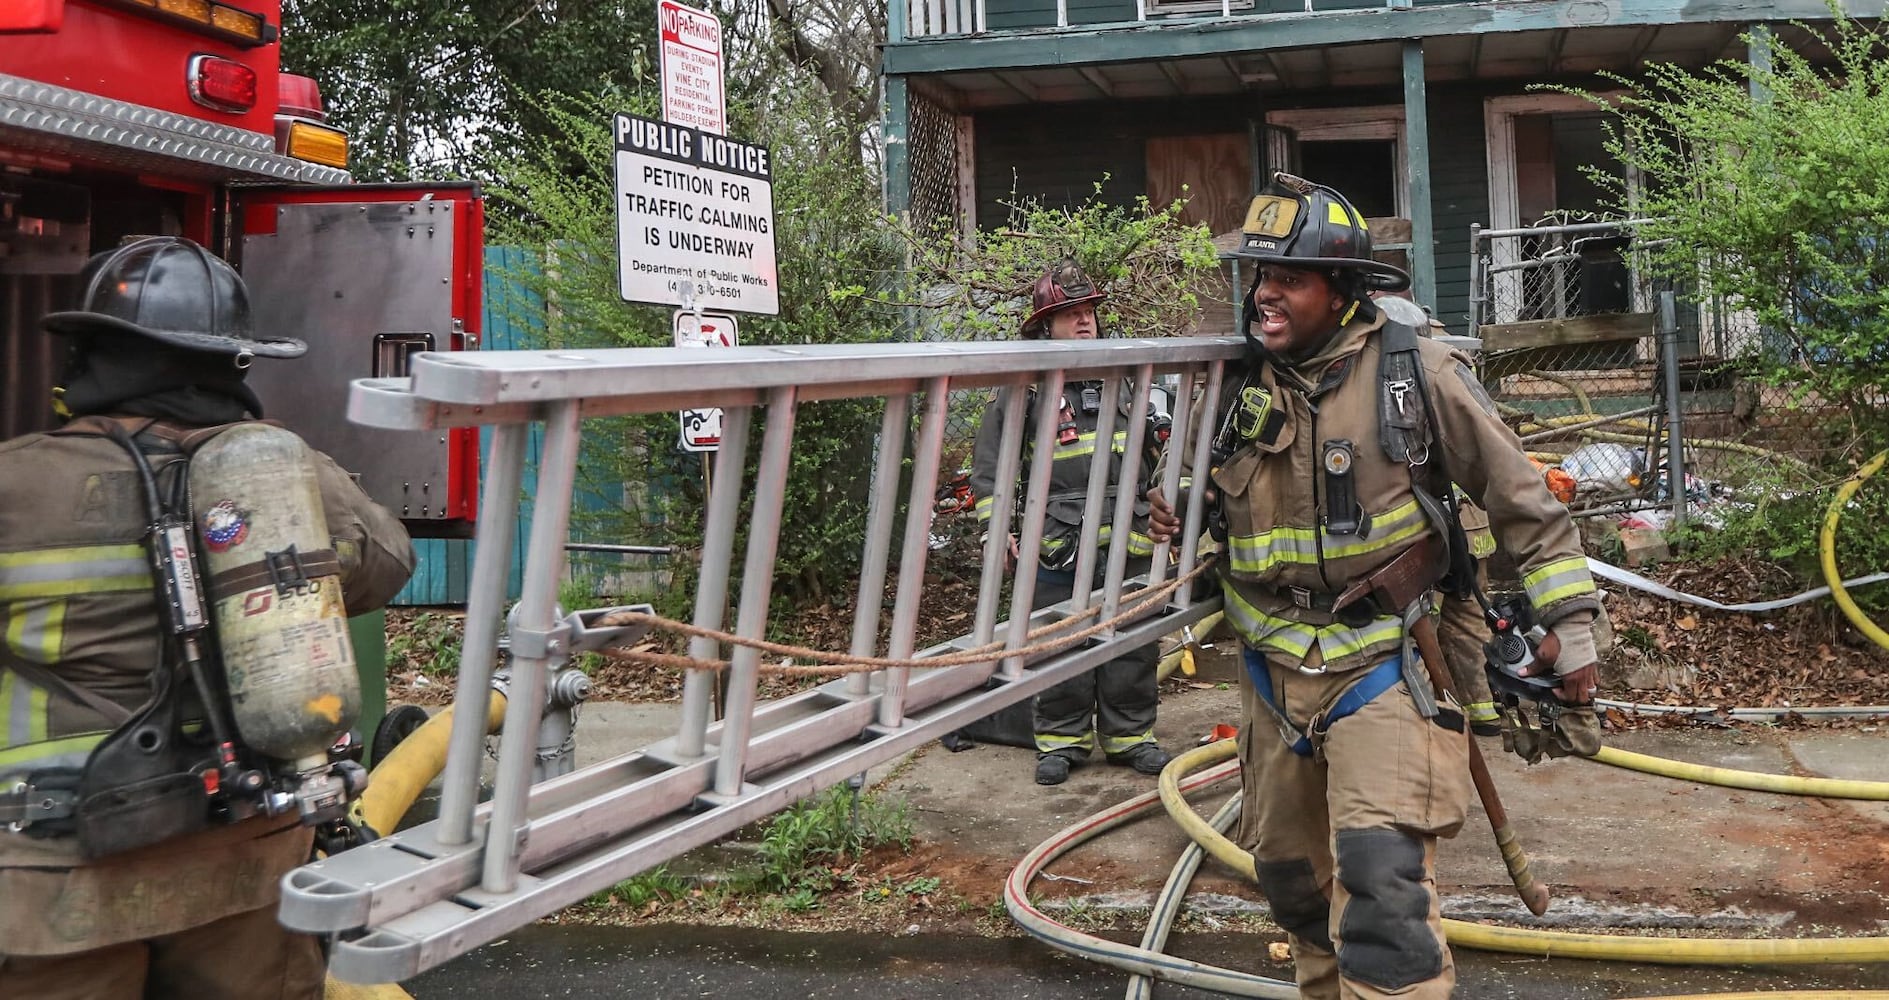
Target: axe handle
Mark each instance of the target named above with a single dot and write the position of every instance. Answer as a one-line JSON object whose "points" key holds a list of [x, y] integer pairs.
{"points": [[1534, 895]]}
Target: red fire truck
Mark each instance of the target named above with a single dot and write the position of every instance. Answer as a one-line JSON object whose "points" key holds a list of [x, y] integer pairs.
{"points": [[137, 117]]}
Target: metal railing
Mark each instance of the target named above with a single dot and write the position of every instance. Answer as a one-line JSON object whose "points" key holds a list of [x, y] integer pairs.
{"points": [[414, 899], [1637, 386]]}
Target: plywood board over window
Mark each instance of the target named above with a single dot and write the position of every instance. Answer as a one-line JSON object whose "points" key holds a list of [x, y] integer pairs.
{"points": [[1213, 173]]}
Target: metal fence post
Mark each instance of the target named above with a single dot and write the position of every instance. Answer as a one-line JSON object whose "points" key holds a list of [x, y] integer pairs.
{"points": [[1669, 365]]}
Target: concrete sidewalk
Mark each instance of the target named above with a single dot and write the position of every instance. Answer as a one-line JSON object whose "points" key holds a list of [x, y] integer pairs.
{"points": [[1619, 848]]}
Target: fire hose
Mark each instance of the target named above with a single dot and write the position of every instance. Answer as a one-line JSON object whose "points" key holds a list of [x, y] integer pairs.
{"points": [[397, 783], [1146, 962]]}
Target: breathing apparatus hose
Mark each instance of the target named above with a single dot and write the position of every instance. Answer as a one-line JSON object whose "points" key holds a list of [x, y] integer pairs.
{"points": [[397, 783], [1827, 551]]}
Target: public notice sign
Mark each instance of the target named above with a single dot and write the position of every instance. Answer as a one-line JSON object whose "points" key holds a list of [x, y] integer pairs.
{"points": [[695, 219], [691, 67]]}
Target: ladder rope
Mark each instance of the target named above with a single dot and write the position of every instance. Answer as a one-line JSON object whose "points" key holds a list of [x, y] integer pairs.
{"points": [[831, 664]]}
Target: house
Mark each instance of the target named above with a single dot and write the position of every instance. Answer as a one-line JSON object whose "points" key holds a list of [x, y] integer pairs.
{"points": [[1425, 112]]}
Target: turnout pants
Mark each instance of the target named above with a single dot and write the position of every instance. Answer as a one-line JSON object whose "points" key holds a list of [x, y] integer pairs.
{"points": [[1344, 840], [248, 956], [1115, 702]]}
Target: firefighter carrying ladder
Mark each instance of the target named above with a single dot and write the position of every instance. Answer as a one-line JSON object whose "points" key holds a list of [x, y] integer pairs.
{"points": [[545, 840]]}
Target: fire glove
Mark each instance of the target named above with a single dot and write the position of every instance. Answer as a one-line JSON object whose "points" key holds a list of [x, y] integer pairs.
{"points": [[1574, 732]]}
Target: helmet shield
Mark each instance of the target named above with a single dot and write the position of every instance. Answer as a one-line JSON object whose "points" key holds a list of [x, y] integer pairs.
{"points": [[1300, 224], [169, 290], [1064, 286]]}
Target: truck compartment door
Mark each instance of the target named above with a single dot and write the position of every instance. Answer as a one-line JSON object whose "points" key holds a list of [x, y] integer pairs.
{"points": [[369, 275]]}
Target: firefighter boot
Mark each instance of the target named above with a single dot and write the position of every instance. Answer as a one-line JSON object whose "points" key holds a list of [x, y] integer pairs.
{"points": [[1146, 758], [1052, 768]]}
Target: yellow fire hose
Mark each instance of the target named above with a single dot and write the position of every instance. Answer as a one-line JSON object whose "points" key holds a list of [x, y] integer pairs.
{"points": [[1827, 551], [1543, 943], [1181, 657], [397, 783]]}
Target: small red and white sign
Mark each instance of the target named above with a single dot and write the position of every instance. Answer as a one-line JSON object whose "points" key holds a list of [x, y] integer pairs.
{"points": [[701, 429], [692, 92]]}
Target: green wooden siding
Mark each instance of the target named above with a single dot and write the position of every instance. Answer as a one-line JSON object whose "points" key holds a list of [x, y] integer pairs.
{"points": [[1459, 196], [1057, 153]]}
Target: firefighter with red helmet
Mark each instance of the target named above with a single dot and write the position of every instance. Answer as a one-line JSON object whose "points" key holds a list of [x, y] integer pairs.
{"points": [[1113, 705], [1335, 465], [128, 866]]}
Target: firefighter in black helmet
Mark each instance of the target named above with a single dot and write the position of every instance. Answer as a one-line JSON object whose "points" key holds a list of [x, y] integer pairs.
{"points": [[1335, 443], [1115, 703], [120, 875]]}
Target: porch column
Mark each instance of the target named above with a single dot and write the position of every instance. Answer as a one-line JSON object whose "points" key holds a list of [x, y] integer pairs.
{"points": [[1758, 54], [895, 128], [1417, 163]]}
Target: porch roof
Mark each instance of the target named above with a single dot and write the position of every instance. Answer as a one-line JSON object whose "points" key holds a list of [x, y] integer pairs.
{"points": [[1286, 53]]}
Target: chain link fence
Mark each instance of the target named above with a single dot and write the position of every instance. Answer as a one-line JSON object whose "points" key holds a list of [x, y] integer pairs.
{"points": [[938, 200], [1592, 361]]}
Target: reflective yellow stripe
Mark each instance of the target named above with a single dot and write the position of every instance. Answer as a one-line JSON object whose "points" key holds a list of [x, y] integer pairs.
{"points": [[1117, 744], [23, 707], [1265, 632], [1481, 711], [1138, 543], [1050, 741], [1084, 444], [67, 751], [66, 572], [1255, 555], [984, 507], [1399, 524], [1558, 581], [36, 629], [1270, 633]]}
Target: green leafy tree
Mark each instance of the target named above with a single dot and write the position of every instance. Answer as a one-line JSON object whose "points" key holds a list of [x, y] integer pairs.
{"points": [[1778, 202], [559, 195], [1154, 266]]}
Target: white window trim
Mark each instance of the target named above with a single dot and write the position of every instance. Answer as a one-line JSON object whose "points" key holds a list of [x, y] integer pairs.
{"points": [[1498, 129], [1159, 7], [1381, 121]]}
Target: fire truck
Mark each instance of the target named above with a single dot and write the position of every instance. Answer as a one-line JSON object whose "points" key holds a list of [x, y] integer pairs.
{"points": [[124, 118]]}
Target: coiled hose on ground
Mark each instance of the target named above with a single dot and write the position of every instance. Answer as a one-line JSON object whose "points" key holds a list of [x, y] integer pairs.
{"points": [[397, 783], [1146, 963]]}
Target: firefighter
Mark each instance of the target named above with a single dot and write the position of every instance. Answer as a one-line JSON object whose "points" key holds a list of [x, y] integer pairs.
{"points": [[1114, 703], [1337, 448], [159, 347]]}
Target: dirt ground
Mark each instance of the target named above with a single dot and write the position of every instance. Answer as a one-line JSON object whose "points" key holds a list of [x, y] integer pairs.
{"points": [[1789, 865]]}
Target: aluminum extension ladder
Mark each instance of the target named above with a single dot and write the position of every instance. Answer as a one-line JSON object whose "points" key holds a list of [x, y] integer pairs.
{"points": [[420, 897]]}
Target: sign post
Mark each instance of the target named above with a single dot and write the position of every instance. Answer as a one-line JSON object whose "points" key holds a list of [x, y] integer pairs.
{"points": [[692, 91], [694, 209], [701, 428]]}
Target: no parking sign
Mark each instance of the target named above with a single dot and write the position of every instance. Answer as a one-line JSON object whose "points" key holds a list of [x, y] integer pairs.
{"points": [[701, 429]]}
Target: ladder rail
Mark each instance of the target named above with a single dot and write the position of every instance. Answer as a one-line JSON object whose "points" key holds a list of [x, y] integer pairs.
{"points": [[421, 896]]}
